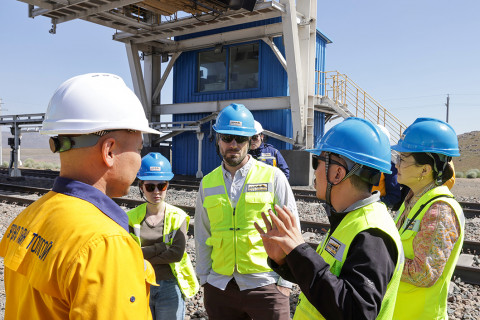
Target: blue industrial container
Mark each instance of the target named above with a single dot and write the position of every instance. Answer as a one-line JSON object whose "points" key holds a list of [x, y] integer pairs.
{"points": [[272, 82]]}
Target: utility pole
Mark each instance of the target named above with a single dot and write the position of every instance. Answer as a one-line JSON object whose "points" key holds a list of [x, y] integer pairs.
{"points": [[448, 105]]}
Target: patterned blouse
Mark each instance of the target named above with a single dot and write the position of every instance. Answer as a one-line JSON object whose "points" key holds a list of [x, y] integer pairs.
{"points": [[433, 244]]}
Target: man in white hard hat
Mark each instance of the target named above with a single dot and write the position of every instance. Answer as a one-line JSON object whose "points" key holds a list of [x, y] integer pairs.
{"points": [[69, 255], [266, 152]]}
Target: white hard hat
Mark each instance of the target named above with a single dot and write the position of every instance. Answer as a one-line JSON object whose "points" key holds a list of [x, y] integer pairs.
{"points": [[94, 102], [384, 130], [258, 127]]}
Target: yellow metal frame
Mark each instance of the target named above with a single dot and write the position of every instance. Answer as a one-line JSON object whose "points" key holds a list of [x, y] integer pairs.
{"points": [[339, 88]]}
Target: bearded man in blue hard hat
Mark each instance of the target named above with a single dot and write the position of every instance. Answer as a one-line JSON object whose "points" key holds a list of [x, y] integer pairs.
{"points": [[231, 261], [355, 272]]}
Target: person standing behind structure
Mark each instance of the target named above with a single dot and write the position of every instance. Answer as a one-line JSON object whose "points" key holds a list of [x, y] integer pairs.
{"points": [[356, 270], [430, 221], [230, 259], [161, 231], [69, 254], [266, 152]]}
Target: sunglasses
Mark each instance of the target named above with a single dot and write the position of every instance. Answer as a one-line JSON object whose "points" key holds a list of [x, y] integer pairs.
{"points": [[323, 158], [227, 138], [150, 187], [256, 137]]}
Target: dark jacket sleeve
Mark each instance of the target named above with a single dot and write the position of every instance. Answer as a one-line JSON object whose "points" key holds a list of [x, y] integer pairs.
{"points": [[393, 194], [167, 254], [358, 291]]}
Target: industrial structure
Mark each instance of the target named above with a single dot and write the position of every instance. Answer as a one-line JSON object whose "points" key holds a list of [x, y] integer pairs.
{"points": [[267, 55]]}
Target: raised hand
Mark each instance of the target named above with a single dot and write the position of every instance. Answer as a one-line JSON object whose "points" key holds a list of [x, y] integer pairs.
{"points": [[282, 236]]}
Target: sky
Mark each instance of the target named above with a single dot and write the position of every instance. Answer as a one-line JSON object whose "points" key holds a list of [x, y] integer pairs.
{"points": [[408, 55]]}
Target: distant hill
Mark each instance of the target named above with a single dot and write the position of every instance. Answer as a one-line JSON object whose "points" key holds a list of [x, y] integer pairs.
{"points": [[30, 140], [469, 144]]}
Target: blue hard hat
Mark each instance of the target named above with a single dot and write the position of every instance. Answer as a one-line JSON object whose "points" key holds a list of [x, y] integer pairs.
{"points": [[235, 119], [358, 140], [429, 135], [155, 167]]}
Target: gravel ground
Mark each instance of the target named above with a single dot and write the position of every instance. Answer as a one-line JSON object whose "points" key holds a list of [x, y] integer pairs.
{"points": [[464, 299]]}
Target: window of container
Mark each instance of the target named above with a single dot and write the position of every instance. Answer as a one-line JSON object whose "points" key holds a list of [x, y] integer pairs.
{"points": [[212, 71], [239, 72], [243, 67]]}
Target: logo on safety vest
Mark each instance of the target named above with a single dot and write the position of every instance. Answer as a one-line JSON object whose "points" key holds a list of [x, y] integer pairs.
{"points": [[335, 248], [236, 123], [258, 187]]}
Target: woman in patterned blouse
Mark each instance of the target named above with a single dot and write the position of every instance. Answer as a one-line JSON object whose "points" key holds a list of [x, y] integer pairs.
{"points": [[430, 221]]}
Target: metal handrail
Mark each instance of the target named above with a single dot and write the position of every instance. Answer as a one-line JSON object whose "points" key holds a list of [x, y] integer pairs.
{"points": [[339, 88]]}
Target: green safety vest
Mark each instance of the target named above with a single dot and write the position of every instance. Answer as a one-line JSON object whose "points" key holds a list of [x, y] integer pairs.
{"points": [[174, 217], [234, 240], [427, 302], [334, 250]]}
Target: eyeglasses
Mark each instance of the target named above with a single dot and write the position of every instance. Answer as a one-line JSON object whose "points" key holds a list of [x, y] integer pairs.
{"points": [[399, 160], [150, 187], [256, 137], [227, 138], [323, 158]]}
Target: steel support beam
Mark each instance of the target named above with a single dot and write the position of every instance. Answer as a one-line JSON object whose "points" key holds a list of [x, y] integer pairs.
{"points": [[199, 168], [151, 76], [169, 67], [273, 103], [270, 30], [138, 83], [294, 69], [101, 8], [211, 26], [307, 41], [276, 51]]}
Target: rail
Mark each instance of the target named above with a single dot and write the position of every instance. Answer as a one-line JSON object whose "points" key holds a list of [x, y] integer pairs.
{"points": [[347, 94]]}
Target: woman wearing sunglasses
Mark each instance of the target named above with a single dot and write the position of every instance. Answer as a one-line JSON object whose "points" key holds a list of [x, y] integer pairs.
{"points": [[161, 231], [430, 221]]}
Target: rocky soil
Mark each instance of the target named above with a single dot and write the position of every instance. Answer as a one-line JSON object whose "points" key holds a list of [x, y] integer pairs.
{"points": [[464, 299]]}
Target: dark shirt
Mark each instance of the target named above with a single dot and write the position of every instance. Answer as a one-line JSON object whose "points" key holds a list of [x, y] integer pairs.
{"points": [[393, 194], [266, 152], [358, 291]]}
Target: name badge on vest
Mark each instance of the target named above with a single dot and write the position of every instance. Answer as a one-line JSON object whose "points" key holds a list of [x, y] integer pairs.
{"points": [[257, 187], [414, 226], [335, 248]]}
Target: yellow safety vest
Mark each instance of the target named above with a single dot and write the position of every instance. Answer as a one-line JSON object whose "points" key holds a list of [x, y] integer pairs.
{"points": [[334, 250], [174, 217], [421, 302], [234, 240]]}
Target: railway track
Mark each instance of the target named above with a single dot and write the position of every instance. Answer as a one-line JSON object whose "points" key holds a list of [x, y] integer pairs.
{"points": [[18, 195], [471, 210]]}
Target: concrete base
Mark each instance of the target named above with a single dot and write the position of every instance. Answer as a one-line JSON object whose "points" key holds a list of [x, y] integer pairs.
{"points": [[300, 164]]}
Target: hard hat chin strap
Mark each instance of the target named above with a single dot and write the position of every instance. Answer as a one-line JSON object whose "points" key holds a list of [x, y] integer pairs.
{"points": [[440, 162]]}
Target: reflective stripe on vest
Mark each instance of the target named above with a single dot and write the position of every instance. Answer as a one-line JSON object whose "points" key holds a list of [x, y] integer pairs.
{"points": [[381, 186], [234, 240], [334, 250], [174, 217], [421, 302]]}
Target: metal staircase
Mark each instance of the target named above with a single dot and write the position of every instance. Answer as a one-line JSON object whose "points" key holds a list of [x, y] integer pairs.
{"points": [[339, 96]]}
